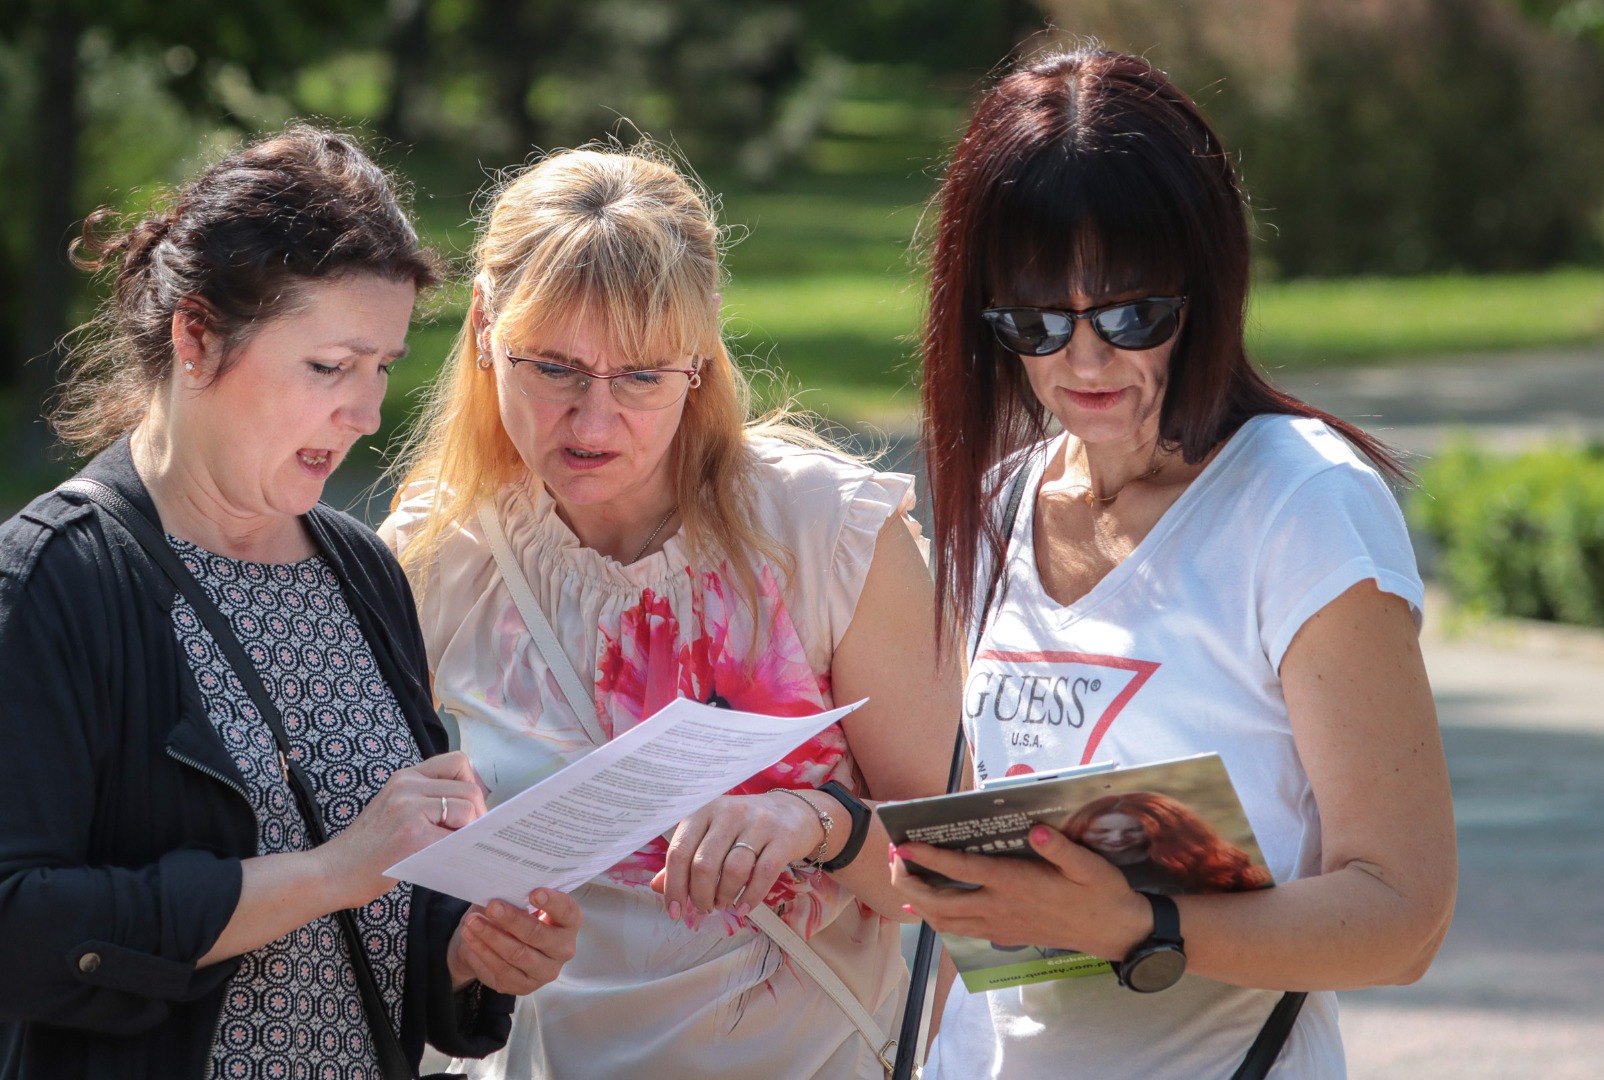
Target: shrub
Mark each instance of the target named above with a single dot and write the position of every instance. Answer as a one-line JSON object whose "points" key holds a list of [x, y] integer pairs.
{"points": [[1518, 535]]}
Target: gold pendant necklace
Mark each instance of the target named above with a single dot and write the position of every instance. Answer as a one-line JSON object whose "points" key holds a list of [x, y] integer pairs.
{"points": [[1091, 499], [637, 556]]}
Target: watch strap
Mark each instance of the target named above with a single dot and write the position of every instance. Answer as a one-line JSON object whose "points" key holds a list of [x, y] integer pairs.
{"points": [[860, 815], [1166, 921]]}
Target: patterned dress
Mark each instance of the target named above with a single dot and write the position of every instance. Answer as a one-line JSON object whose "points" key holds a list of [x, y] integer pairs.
{"points": [[292, 1011], [647, 996]]}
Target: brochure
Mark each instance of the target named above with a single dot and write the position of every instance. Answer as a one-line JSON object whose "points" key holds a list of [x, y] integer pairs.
{"points": [[1170, 826]]}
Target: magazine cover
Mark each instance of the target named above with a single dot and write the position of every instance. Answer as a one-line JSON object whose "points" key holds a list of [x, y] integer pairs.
{"points": [[1171, 827]]}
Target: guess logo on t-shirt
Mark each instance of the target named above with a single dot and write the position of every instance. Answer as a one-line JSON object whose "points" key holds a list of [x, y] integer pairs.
{"points": [[1051, 707]]}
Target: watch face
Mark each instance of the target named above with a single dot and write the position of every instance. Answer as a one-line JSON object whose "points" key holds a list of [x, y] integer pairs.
{"points": [[1157, 968]]}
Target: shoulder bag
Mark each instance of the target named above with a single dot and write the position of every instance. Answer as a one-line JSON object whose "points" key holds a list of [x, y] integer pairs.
{"points": [[581, 699], [392, 1059]]}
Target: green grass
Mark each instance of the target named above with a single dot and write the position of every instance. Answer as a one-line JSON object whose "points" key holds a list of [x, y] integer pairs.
{"points": [[1300, 323]]}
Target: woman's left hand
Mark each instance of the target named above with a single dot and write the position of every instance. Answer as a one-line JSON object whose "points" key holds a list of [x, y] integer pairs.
{"points": [[1075, 900], [731, 852], [512, 950]]}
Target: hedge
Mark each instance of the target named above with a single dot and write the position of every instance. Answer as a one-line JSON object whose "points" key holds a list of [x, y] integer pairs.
{"points": [[1518, 535]]}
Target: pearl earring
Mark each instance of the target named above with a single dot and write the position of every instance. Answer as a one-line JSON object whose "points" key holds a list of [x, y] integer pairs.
{"points": [[189, 365]]}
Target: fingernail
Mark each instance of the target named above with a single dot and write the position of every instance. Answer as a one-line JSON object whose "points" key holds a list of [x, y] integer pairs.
{"points": [[540, 897], [909, 909], [1039, 835], [891, 852], [743, 911], [498, 908], [673, 910]]}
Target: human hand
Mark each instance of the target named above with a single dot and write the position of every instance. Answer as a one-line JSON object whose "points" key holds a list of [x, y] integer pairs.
{"points": [[415, 807], [513, 950], [732, 851], [1076, 899]]}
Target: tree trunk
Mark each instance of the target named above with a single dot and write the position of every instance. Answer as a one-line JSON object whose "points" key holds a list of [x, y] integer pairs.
{"points": [[54, 211], [408, 45]]}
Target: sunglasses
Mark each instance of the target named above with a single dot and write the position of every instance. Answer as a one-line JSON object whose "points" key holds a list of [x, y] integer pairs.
{"points": [[1129, 324]]}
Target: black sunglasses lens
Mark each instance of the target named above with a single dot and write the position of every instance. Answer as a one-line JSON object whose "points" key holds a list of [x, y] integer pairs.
{"points": [[1144, 324], [1030, 332]]}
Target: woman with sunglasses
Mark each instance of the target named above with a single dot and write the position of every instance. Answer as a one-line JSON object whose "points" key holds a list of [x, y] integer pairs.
{"points": [[592, 427], [1199, 562]]}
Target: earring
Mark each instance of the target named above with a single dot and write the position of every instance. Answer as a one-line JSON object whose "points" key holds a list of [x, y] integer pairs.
{"points": [[189, 365], [484, 362]]}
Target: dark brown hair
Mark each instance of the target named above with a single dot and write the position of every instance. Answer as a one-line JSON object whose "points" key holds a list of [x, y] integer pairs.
{"points": [[239, 246], [1088, 168]]}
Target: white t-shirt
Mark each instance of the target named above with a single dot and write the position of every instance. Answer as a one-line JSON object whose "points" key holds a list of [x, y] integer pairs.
{"points": [[1176, 652]]}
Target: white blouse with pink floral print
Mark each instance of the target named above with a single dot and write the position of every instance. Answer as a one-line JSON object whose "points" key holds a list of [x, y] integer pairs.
{"points": [[647, 996]]}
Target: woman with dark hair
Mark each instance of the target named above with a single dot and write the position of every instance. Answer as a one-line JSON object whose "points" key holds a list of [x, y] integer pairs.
{"points": [[1160, 845], [207, 672], [1197, 562]]}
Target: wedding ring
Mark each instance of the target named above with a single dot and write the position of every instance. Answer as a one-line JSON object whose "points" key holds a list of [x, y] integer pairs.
{"points": [[443, 811], [743, 843]]}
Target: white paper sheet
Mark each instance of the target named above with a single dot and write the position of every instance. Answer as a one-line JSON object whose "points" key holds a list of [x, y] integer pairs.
{"points": [[573, 825]]}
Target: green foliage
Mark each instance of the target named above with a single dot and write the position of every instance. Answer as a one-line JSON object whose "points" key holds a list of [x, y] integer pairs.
{"points": [[1522, 535], [1395, 137], [1442, 139]]}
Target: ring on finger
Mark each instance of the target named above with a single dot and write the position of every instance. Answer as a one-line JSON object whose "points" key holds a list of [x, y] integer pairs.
{"points": [[444, 810], [743, 844]]}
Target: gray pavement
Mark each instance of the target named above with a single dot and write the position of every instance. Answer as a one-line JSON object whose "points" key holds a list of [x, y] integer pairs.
{"points": [[1518, 988], [1505, 401]]}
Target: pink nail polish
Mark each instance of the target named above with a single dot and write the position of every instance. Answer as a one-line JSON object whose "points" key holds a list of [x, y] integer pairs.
{"points": [[744, 910], [1039, 835], [673, 910]]}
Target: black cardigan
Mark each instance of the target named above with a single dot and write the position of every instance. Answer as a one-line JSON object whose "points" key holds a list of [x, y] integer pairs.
{"points": [[123, 821]]}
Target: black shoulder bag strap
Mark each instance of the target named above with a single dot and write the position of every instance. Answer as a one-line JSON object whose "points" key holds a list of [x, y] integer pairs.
{"points": [[1272, 1037], [916, 1016], [393, 1064], [916, 1019]]}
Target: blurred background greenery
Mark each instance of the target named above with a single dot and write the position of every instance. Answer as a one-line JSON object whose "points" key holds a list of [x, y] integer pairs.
{"points": [[1427, 176]]}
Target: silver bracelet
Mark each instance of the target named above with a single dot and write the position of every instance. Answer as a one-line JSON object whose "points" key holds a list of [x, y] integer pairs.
{"points": [[826, 822]]}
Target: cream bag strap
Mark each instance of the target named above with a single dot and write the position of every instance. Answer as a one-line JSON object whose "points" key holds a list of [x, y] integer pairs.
{"points": [[582, 701]]}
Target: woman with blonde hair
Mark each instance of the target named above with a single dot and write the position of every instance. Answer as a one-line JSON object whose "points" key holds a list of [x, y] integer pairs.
{"points": [[587, 465]]}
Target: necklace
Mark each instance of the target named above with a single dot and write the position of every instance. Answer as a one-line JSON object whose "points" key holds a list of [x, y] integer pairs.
{"points": [[637, 556], [1091, 498]]}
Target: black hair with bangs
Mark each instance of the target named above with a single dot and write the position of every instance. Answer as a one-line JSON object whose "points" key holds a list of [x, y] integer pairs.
{"points": [[1083, 171]]}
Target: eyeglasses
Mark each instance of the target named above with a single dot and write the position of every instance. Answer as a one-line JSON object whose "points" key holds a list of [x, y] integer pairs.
{"points": [[1129, 324], [643, 388]]}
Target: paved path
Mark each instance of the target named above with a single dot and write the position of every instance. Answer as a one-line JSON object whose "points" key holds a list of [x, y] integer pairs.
{"points": [[1518, 988], [1507, 401]]}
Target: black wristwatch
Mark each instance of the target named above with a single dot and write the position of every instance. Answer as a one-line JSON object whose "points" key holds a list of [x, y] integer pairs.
{"points": [[1158, 962], [860, 815]]}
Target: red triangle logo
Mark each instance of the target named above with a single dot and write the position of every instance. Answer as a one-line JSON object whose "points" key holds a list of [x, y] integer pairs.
{"points": [[1072, 680]]}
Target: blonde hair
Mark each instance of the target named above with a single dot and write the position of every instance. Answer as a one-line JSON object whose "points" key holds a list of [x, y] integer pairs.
{"points": [[623, 238]]}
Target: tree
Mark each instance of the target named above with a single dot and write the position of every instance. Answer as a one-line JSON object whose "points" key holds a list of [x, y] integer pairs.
{"points": [[267, 42]]}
